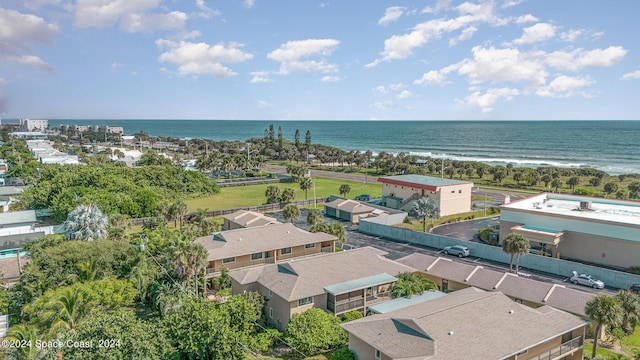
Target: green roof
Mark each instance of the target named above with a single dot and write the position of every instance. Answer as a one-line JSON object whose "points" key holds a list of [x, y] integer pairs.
{"points": [[425, 180], [403, 302], [358, 284]]}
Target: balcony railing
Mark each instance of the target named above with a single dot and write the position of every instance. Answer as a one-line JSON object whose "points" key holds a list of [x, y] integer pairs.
{"points": [[345, 306], [211, 271], [326, 249], [560, 351]]}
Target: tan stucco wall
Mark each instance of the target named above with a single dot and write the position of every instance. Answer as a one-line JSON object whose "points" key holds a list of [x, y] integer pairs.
{"points": [[363, 350], [452, 199], [455, 199]]}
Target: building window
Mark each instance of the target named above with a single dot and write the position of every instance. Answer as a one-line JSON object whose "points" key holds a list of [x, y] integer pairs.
{"points": [[270, 293], [285, 251], [445, 285], [271, 312], [256, 256], [305, 301], [453, 191], [378, 354], [309, 246], [229, 260], [459, 191]]}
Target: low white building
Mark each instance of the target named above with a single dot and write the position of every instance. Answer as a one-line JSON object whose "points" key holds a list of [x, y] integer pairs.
{"points": [[595, 230]]}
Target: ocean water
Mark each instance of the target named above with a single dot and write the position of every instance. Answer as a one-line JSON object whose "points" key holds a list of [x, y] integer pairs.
{"points": [[611, 146]]}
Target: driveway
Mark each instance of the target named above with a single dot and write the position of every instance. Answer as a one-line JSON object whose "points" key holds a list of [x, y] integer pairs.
{"points": [[467, 230]]}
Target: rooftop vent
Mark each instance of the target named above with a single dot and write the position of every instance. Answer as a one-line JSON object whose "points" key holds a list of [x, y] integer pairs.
{"points": [[450, 332], [511, 311], [585, 205]]}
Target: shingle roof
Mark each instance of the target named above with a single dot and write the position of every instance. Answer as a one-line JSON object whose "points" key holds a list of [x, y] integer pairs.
{"points": [[251, 240], [300, 278], [247, 218], [350, 206], [449, 327], [559, 296]]}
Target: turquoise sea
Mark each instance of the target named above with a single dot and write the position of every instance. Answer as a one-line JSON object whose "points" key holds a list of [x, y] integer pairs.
{"points": [[611, 146]]}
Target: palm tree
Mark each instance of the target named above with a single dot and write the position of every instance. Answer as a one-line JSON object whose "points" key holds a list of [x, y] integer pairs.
{"points": [[288, 195], [425, 208], [344, 189], [409, 284], [314, 216], [187, 256], [573, 182], [86, 222], [603, 310], [291, 212], [556, 183], [199, 219], [179, 210], [337, 230], [305, 185], [66, 311], [521, 247], [88, 270], [510, 245], [272, 193], [25, 334], [630, 303]]}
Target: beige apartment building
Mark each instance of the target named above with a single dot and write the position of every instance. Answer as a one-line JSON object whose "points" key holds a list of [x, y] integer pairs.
{"points": [[337, 283], [452, 196], [468, 324], [255, 246]]}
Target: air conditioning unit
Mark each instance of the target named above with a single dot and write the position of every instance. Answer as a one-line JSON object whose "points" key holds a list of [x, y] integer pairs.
{"points": [[585, 205]]}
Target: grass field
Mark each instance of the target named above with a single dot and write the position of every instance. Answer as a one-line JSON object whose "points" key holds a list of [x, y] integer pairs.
{"points": [[252, 195]]}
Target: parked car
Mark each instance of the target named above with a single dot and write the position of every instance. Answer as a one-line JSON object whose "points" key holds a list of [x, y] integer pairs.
{"points": [[458, 250], [363, 197], [635, 288], [586, 280]]}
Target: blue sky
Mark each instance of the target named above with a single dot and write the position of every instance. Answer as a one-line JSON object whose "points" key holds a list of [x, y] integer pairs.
{"points": [[324, 60]]}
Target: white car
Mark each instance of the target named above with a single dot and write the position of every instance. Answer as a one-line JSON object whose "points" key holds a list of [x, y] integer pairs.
{"points": [[586, 280]]}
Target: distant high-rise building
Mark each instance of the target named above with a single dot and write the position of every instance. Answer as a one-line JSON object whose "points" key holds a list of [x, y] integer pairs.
{"points": [[34, 125]]}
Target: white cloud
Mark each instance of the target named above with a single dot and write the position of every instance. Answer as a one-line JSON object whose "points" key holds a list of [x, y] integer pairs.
{"points": [[29, 60], [18, 31], [580, 58], [497, 65], [202, 58], [564, 85], [397, 87], [526, 19], [104, 13], [331, 79], [147, 23], [632, 75], [571, 35], [511, 3], [392, 14], [399, 47], [205, 11], [466, 34], [249, 3], [380, 89], [536, 33], [260, 77], [487, 100], [132, 16], [290, 55], [432, 78], [404, 94]]}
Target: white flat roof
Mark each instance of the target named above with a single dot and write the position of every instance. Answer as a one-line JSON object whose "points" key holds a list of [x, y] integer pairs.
{"points": [[610, 210]]}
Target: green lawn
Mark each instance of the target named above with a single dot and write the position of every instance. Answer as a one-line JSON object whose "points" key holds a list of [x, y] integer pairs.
{"points": [[252, 195]]}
